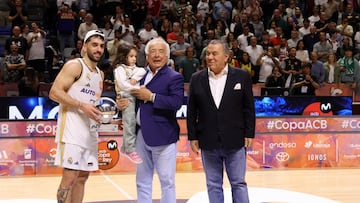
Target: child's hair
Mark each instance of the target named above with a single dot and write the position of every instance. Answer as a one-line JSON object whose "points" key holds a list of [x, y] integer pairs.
{"points": [[122, 53]]}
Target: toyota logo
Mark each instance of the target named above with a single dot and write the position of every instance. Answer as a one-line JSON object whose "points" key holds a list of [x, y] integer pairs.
{"points": [[282, 156]]}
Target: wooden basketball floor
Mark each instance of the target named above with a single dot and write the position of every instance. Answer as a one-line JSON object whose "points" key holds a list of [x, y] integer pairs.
{"points": [[341, 185]]}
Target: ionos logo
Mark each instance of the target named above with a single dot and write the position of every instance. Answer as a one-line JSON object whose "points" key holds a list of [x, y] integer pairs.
{"points": [[317, 157], [282, 156], [282, 145], [309, 143]]}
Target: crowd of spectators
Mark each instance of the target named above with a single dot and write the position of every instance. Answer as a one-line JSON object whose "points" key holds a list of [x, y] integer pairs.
{"points": [[276, 41]]}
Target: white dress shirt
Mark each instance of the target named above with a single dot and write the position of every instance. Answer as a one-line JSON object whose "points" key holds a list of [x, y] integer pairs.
{"points": [[217, 84]]}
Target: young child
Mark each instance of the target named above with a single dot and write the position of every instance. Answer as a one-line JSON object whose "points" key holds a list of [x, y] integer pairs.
{"points": [[127, 76]]}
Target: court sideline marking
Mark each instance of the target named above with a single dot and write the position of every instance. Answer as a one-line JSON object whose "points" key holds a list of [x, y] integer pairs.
{"points": [[118, 187]]}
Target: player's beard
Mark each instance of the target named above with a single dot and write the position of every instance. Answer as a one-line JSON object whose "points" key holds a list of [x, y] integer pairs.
{"points": [[92, 58]]}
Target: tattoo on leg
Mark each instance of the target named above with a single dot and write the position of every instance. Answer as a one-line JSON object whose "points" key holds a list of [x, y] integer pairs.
{"points": [[62, 195]]}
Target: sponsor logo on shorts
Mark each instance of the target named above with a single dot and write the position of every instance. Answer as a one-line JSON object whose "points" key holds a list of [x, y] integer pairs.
{"points": [[70, 160]]}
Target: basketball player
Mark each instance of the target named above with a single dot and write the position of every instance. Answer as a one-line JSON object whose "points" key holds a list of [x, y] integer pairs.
{"points": [[76, 87]]}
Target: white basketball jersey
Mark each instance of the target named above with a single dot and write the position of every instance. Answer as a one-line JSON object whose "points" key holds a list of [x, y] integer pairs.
{"points": [[73, 125]]}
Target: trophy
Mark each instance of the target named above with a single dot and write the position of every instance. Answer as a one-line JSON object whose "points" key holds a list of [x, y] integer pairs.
{"points": [[108, 109]]}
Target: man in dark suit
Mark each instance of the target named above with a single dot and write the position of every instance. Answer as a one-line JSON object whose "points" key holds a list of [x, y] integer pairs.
{"points": [[221, 122], [160, 96]]}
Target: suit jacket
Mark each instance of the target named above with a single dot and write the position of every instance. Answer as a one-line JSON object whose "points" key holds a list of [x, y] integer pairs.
{"points": [[158, 120], [226, 126]]}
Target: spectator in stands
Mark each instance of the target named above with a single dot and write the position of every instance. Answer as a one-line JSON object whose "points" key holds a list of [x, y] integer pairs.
{"points": [[301, 53], [86, 26], [305, 84], [141, 57], [254, 51], [29, 83], [118, 18], [305, 29], [208, 25], [279, 21], [311, 38], [25, 30], [351, 15], [222, 11], [276, 79], [333, 40], [76, 52], [345, 28], [290, 67], [66, 26], [196, 42], [189, 64], [203, 8], [147, 33], [210, 35], [257, 24], [330, 7], [332, 70], [232, 60], [282, 52], [276, 40], [4, 12], [253, 8], [267, 61], [244, 38], [317, 67], [165, 28], [178, 50], [314, 17], [127, 30], [245, 64], [298, 18], [292, 42], [350, 69], [17, 39], [322, 48], [108, 31], [171, 38], [346, 44], [265, 41], [18, 14], [112, 45], [15, 65], [238, 53], [290, 10], [36, 42], [322, 24], [80, 18], [221, 30], [84, 4]]}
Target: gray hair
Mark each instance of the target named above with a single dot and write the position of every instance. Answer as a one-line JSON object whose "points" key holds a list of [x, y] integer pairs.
{"points": [[157, 40], [223, 44]]}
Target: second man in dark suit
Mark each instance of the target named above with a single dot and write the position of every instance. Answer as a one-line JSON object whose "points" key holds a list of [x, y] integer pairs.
{"points": [[221, 122]]}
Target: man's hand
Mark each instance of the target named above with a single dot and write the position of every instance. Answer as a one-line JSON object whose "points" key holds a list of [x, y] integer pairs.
{"points": [[122, 103], [194, 144], [91, 111], [143, 93], [248, 142]]}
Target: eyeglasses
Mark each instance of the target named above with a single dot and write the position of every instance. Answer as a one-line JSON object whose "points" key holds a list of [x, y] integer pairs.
{"points": [[154, 52]]}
